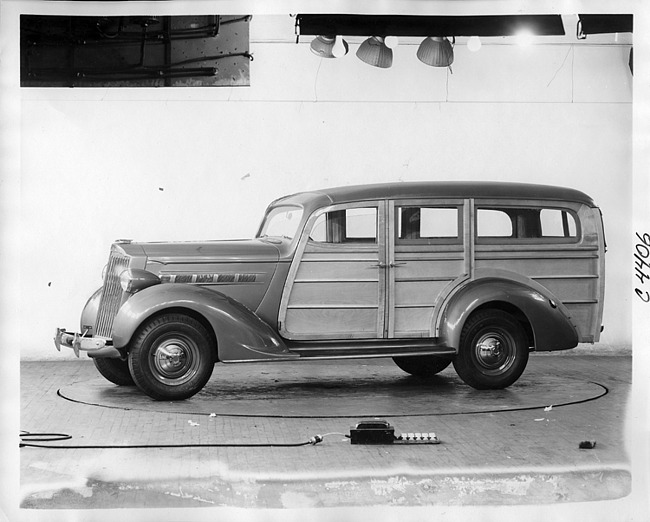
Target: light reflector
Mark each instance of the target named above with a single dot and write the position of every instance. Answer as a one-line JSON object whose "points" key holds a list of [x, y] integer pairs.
{"points": [[374, 51]]}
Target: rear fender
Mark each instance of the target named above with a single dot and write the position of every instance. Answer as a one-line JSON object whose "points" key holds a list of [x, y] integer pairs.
{"points": [[548, 318], [241, 335]]}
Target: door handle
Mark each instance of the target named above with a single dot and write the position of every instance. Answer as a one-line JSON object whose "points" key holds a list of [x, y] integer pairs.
{"points": [[391, 265]]}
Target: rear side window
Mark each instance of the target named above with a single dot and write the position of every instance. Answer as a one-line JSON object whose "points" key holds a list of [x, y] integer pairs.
{"points": [[557, 223], [494, 224], [428, 224]]}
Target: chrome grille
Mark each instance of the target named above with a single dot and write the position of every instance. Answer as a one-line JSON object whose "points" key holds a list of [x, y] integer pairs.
{"points": [[111, 294]]}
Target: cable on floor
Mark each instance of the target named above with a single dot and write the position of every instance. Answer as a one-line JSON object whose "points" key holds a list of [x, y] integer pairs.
{"points": [[27, 440], [604, 392]]}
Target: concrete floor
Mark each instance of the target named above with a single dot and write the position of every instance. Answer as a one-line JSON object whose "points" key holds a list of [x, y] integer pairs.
{"points": [[516, 448]]}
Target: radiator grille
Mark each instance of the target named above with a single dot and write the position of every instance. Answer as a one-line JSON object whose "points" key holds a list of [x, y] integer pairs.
{"points": [[111, 295]]}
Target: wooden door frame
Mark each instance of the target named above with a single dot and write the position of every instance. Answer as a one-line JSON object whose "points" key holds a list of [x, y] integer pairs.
{"points": [[466, 240], [379, 247]]}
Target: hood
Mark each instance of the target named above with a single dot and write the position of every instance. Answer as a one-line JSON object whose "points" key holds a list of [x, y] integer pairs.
{"points": [[245, 250]]}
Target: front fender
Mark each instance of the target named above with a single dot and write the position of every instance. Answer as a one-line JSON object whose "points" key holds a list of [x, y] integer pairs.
{"points": [[89, 313], [548, 317], [241, 335]]}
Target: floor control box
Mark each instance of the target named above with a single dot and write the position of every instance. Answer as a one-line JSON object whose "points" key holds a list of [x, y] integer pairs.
{"points": [[372, 432]]}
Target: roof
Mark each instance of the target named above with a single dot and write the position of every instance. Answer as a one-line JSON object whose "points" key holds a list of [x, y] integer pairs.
{"points": [[439, 189]]}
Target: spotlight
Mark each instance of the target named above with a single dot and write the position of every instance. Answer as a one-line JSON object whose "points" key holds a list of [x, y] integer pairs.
{"points": [[391, 41], [375, 52], [436, 51], [329, 46], [524, 38], [474, 44]]}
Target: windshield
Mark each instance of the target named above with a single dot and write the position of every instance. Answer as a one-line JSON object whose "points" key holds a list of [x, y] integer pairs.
{"points": [[281, 222]]}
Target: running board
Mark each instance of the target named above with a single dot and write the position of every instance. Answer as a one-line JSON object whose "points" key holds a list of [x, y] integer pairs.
{"points": [[355, 349]]}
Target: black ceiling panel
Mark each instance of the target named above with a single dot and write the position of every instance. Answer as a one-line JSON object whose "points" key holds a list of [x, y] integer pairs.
{"points": [[388, 25], [605, 23]]}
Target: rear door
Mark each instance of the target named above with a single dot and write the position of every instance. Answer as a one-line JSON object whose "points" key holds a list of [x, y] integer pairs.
{"points": [[427, 253]]}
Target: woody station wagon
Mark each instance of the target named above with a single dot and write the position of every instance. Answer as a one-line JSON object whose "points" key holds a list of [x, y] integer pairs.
{"points": [[428, 273]]}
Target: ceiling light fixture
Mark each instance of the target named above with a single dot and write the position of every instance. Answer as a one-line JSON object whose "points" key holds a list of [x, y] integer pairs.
{"points": [[524, 38], [329, 46], [474, 44], [374, 51], [436, 51], [391, 41]]}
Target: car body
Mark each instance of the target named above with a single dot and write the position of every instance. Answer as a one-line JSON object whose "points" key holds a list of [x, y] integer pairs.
{"points": [[428, 273]]}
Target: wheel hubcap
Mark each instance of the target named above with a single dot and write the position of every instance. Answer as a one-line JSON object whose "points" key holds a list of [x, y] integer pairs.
{"points": [[171, 357], [175, 361], [494, 352]]}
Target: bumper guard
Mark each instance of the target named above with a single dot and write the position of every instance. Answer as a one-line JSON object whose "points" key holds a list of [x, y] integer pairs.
{"points": [[92, 345]]}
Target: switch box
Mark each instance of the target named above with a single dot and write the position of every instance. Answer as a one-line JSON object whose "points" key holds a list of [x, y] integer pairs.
{"points": [[372, 432]]}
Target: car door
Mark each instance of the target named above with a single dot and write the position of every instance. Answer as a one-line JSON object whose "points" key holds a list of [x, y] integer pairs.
{"points": [[336, 287], [428, 253]]}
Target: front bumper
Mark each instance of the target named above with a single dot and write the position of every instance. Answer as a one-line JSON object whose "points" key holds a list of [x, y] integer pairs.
{"points": [[95, 346]]}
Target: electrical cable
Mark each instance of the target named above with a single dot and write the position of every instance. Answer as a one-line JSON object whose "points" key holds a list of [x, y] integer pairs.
{"points": [[138, 72], [43, 437], [215, 57], [335, 433], [121, 39], [126, 76], [246, 18], [604, 392], [26, 435]]}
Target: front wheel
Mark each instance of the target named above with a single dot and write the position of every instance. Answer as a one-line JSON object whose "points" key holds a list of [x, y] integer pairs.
{"points": [[172, 357], [493, 350]]}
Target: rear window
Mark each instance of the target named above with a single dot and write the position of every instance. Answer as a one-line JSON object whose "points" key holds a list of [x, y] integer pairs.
{"points": [[495, 224]]}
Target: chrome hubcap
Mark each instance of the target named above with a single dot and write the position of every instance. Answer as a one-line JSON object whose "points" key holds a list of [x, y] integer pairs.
{"points": [[171, 357], [175, 361], [494, 352], [490, 348]]}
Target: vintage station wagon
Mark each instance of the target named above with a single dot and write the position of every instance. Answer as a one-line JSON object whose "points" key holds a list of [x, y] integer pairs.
{"points": [[428, 273]]}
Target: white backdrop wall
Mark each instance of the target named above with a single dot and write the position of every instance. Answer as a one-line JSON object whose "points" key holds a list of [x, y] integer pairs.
{"points": [[177, 164]]}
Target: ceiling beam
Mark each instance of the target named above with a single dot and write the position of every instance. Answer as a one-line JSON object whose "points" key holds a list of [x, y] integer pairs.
{"points": [[605, 23], [388, 25]]}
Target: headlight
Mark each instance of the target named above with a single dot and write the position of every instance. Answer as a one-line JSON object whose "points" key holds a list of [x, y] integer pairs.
{"points": [[133, 280]]}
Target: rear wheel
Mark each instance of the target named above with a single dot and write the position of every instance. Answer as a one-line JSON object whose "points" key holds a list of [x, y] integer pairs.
{"points": [[115, 370], [422, 365], [493, 350], [172, 357]]}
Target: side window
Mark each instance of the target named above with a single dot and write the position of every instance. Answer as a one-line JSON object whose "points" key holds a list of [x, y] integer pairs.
{"points": [[493, 223], [557, 223], [547, 224], [352, 225], [428, 224]]}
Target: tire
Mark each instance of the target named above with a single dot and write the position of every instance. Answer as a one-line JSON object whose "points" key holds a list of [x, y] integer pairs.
{"points": [[493, 350], [422, 365], [114, 370], [172, 357]]}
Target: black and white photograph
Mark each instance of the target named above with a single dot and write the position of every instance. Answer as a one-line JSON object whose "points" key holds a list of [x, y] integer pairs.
{"points": [[324, 261]]}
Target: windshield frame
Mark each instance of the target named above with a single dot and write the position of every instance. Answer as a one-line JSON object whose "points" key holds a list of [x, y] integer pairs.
{"points": [[278, 209]]}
